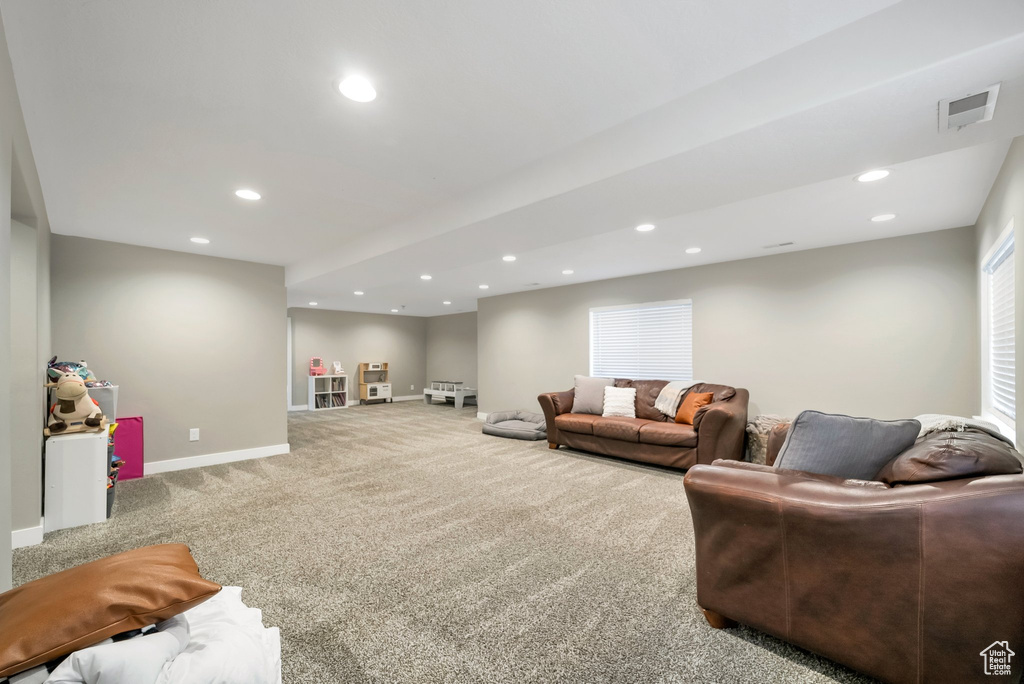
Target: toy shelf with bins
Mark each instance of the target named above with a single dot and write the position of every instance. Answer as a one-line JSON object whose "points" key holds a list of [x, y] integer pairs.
{"points": [[328, 392]]}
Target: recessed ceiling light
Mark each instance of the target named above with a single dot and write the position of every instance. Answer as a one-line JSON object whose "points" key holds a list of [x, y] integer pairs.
{"points": [[425, 277], [883, 217], [873, 175], [645, 227], [394, 311], [693, 250], [568, 271], [357, 88], [446, 303], [200, 241], [358, 292], [312, 303], [484, 287], [247, 194], [508, 257]]}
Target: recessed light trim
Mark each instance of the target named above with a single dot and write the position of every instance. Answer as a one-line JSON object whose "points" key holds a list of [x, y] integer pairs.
{"points": [[357, 88], [446, 303], [394, 311], [645, 227], [485, 287], [883, 217], [568, 271], [358, 293], [508, 257], [872, 175], [248, 194], [693, 250], [200, 240], [312, 303], [425, 277]]}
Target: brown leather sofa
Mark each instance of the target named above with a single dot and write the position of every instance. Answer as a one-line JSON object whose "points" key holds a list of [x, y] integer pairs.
{"points": [[718, 429], [907, 583]]}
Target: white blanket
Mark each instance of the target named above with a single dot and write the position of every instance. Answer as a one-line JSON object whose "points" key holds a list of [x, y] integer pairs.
{"points": [[670, 396], [938, 422]]}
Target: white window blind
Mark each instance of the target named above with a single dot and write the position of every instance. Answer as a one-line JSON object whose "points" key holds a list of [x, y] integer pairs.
{"points": [[643, 341], [1002, 330]]}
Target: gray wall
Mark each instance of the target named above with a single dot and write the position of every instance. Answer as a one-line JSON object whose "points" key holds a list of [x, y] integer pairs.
{"points": [[884, 328], [1006, 201], [451, 348], [192, 341], [355, 338]]}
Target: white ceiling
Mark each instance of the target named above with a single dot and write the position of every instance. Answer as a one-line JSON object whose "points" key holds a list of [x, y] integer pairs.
{"points": [[545, 130]]}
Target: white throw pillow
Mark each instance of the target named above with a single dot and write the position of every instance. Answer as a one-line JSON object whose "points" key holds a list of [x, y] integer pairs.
{"points": [[620, 401]]}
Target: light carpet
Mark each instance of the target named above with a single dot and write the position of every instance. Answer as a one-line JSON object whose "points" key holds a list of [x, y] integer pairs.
{"points": [[396, 543]]}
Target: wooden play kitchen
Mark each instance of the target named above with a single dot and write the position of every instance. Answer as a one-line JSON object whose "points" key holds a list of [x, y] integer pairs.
{"points": [[374, 383]]}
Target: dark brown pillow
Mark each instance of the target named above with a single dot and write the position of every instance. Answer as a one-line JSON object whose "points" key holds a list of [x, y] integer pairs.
{"points": [[76, 608], [951, 456]]}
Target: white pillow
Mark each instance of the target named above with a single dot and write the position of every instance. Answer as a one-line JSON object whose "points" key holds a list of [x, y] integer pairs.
{"points": [[620, 401]]}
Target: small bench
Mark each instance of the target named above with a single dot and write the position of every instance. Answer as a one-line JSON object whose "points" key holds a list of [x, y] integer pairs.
{"points": [[448, 389], [516, 425]]}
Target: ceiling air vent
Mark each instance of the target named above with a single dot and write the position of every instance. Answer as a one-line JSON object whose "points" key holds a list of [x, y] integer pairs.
{"points": [[956, 113], [777, 245]]}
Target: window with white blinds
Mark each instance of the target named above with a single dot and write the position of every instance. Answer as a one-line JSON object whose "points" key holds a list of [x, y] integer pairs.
{"points": [[1002, 329], [643, 341]]}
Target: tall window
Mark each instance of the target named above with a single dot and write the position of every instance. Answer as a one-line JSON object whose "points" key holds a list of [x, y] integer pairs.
{"points": [[999, 274], [643, 341]]}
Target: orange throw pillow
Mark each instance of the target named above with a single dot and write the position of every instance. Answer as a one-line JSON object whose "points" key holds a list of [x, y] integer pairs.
{"points": [[80, 607], [691, 402]]}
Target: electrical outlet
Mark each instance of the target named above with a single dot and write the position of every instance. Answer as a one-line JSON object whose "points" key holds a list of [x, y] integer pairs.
{"points": [[412, 387], [193, 435]]}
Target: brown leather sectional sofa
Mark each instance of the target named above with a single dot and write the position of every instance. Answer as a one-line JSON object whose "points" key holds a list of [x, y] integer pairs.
{"points": [[907, 583], [718, 429]]}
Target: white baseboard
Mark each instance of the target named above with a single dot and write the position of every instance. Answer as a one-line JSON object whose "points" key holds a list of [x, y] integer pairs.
{"points": [[302, 407], [408, 397], [30, 536], [214, 459], [480, 415]]}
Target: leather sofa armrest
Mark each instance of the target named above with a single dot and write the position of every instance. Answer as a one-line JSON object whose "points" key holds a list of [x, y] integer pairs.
{"points": [[776, 438], [722, 428], [555, 404]]}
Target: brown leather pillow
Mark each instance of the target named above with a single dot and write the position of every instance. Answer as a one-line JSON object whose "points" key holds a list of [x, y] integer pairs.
{"points": [[951, 456], [79, 607], [691, 402]]}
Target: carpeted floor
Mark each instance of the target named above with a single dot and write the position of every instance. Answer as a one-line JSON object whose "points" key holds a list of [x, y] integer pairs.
{"points": [[398, 544]]}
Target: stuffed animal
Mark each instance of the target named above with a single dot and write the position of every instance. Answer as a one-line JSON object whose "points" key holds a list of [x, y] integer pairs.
{"points": [[74, 405]]}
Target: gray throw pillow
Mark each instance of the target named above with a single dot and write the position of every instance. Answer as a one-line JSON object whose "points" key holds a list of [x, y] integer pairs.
{"points": [[852, 448], [588, 396]]}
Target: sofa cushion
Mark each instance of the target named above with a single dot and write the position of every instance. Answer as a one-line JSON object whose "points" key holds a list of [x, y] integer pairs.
{"points": [[721, 392], [69, 610], [668, 434], [951, 456], [580, 423], [844, 446], [622, 429], [647, 392], [588, 394]]}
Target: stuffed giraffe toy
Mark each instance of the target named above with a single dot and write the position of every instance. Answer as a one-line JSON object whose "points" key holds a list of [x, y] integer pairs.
{"points": [[74, 405]]}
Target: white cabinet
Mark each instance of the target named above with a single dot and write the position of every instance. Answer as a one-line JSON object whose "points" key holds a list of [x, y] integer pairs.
{"points": [[327, 392], [77, 467], [378, 390]]}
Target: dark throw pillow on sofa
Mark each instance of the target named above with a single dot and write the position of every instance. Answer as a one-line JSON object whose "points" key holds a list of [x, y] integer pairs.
{"points": [[852, 448], [951, 455]]}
